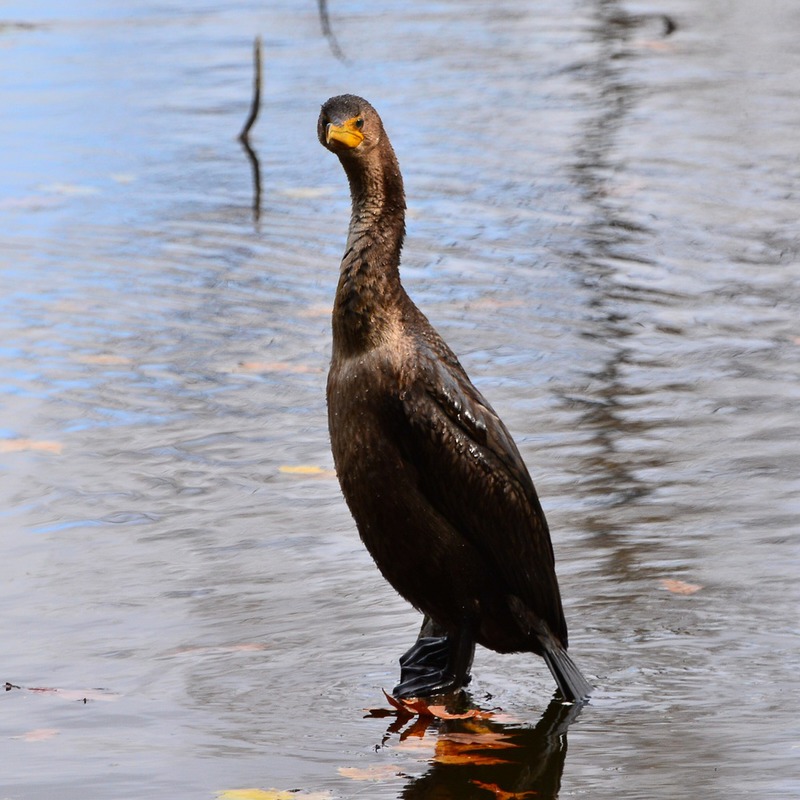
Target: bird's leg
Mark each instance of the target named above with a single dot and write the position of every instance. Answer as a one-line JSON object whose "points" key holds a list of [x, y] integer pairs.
{"points": [[437, 663]]}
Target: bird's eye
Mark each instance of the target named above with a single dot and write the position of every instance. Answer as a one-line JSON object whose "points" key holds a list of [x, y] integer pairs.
{"points": [[360, 123]]}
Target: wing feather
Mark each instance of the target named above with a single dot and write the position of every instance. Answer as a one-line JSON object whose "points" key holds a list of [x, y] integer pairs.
{"points": [[473, 474]]}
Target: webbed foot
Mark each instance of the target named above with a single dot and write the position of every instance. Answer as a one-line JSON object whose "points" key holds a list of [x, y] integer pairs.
{"points": [[437, 663]]}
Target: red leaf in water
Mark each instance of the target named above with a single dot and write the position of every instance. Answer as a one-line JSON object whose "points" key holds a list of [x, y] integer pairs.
{"points": [[418, 706]]}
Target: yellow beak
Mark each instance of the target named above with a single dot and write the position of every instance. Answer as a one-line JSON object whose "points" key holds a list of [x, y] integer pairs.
{"points": [[347, 134]]}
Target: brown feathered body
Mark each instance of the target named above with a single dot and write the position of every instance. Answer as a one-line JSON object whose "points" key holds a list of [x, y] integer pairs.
{"points": [[439, 492]]}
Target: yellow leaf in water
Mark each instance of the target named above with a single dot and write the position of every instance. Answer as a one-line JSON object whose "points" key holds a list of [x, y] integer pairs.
{"points": [[494, 303], [679, 587], [379, 772], [75, 189], [315, 311], [104, 359], [306, 469], [270, 794], [23, 445], [305, 192]]}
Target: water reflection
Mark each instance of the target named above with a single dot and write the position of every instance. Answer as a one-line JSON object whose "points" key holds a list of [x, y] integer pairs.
{"points": [[613, 236], [255, 167], [152, 544], [520, 761]]}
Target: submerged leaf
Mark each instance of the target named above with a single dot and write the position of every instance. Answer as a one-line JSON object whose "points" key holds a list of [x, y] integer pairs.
{"points": [[305, 192], [71, 189], [307, 469], [38, 735], [679, 587], [378, 772], [270, 794], [23, 445], [255, 794], [104, 359]]}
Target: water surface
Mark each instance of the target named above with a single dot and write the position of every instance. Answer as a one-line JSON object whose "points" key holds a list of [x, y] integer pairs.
{"points": [[602, 223]]}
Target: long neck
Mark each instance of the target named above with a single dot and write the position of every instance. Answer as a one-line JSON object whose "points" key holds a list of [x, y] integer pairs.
{"points": [[369, 293]]}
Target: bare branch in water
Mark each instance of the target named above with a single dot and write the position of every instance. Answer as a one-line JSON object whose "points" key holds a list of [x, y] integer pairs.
{"points": [[327, 30], [255, 106]]}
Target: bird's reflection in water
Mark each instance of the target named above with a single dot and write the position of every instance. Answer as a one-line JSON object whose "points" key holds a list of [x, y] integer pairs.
{"points": [[476, 758]]}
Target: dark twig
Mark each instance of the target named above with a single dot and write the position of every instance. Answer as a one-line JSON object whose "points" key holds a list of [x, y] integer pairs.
{"points": [[255, 107], [244, 136], [327, 31]]}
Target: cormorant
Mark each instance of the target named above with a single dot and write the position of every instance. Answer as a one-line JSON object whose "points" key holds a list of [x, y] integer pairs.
{"points": [[437, 487]]}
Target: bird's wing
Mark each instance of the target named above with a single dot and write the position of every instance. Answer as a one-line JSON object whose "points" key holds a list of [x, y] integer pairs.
{"points": [[470, 470]]}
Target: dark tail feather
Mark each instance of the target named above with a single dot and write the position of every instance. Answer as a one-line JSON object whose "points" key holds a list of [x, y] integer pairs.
{"points": [[569, 678]]}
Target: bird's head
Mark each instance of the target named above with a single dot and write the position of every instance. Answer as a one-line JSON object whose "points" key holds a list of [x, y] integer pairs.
{"points": [[349, 125]]}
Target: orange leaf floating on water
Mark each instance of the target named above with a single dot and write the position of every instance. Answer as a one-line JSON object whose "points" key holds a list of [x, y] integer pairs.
{"points": [[379, 772], [679, 587], [24, 445], [501, 794], [418, 706], [473, 713]]}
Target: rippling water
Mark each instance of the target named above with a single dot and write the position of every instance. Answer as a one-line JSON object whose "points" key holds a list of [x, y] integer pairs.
{"points": [[603, 224]]}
